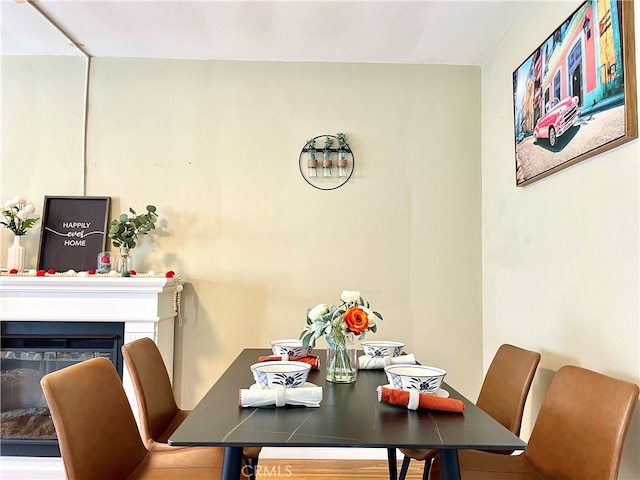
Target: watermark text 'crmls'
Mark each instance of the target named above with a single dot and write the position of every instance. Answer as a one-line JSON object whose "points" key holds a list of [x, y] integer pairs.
{"points": [[266, 471]]}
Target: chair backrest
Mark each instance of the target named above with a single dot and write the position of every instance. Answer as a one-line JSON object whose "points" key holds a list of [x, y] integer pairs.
{"points": [[506, 385], [581, 425], [96, 430], [154, 396]]}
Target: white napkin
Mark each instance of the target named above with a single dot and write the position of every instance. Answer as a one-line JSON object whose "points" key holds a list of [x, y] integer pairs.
{"points": [[308, 395], [365, 362]]}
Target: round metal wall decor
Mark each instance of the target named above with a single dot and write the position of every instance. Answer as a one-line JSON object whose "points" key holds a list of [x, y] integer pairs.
{"points": [[326, 162]]}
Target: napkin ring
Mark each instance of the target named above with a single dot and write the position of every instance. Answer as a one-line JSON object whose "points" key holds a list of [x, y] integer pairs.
{"points": [[414, 399], [280, 391]]}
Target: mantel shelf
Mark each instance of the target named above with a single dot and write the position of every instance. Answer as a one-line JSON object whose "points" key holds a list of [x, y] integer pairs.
{"points": [[92, 284]]}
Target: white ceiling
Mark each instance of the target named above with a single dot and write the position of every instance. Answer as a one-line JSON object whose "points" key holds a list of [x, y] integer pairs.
{"points": [[424, 32]]}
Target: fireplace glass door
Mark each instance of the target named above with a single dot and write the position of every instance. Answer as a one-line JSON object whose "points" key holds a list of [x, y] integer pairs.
{"points": [[27, 353]]}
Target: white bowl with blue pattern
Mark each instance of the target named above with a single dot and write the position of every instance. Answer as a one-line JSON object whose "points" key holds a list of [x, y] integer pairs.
{"points": [[415, 377], [380, 348], [290, 347], [285, 373]]}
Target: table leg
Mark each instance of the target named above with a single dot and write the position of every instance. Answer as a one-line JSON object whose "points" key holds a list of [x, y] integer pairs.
{"points": [[232, 463], [393, 463], [449, 464]]}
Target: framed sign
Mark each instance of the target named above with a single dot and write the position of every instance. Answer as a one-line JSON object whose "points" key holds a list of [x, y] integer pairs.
{"points": [[74, 232], [575, 96]]}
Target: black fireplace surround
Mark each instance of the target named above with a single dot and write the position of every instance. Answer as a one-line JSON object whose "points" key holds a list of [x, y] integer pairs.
{"points": [[31, 349]]}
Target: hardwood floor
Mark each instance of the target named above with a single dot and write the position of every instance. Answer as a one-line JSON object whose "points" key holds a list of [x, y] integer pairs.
{"points": [[310, 469]]}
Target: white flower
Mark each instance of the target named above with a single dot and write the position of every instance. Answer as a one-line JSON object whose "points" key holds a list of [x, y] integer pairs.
{"points": [[16, 215], [331, 321], [350, 296], [370, 316], [316, 312]]}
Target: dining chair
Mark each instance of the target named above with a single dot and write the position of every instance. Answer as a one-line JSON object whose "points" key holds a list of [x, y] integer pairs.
{"points": [[98, 434], [579, 433], [503, 395], [159, 415]]}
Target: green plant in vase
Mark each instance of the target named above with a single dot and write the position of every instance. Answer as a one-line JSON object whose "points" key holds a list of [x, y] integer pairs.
{"points": [[326, 159], [312, 162], [342, 154], [125, 231]]}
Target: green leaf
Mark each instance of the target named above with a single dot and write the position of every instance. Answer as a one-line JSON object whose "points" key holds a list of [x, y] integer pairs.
{"points": [[308, 340], [29, 222], [125, 230]]}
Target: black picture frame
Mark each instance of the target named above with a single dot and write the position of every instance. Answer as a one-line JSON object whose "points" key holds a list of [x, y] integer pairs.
{"points": [[73, 232], [575, 96]]}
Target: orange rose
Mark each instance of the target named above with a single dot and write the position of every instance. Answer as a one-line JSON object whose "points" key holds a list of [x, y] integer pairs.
{"points": [[357, 320]]}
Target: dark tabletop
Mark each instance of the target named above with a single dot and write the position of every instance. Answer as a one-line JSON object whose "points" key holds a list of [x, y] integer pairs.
{"points": [[349, 416]]}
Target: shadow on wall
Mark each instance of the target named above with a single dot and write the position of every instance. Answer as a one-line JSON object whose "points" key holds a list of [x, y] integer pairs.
{"points": [[218, 321]]}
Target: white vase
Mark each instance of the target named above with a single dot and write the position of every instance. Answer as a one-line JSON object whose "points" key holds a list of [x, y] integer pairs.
{"points": [[16, 254]]}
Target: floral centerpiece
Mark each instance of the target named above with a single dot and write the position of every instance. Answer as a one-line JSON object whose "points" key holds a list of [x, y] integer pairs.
{"points": [[16, 215], [340, 325]]}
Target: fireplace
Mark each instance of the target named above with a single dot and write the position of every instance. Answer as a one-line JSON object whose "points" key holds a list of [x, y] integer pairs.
{"points": [[138, 306], [30, 350]]}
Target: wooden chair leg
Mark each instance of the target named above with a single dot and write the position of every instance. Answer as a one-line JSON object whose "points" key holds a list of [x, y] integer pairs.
{"points": [[393, 466], [405, 468]]}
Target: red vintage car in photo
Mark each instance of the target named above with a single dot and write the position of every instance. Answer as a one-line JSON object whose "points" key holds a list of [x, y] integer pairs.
{"points": [[559, 118]]}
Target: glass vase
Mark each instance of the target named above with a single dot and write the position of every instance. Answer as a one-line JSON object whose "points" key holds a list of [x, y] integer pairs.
{"points": [[125, 261], [342, 362]]}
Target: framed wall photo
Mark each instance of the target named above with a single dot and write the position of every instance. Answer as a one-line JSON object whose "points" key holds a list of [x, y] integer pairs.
{"points": [[74, 232], [575, 96]]}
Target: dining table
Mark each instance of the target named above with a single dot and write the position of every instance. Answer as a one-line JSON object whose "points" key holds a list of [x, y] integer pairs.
{"points": [[350, 415]]}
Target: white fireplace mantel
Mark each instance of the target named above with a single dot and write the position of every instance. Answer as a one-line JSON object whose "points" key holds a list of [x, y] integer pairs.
{"points": [[146, 304]]}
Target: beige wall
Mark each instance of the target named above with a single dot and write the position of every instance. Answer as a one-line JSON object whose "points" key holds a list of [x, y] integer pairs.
{"points": [[215, 146], [560, 256]]}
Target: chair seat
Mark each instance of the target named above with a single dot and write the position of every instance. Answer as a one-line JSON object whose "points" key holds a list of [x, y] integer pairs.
{"points": [[193, 463], [159, 414], [250, 452], [419, 453], [476, 465]]}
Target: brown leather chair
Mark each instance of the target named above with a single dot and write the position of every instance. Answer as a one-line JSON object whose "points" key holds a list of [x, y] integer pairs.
{"points": [[158, 412], [98, 435], [579, 433], [503, 394]]}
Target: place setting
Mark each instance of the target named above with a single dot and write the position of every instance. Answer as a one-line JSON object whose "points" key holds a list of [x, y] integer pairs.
{"points": [[281, 378], [410, 385], [380, 354]]}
